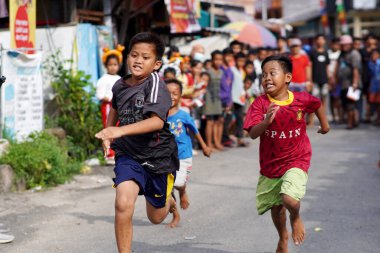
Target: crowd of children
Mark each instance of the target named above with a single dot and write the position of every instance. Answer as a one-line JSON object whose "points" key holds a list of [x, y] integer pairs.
{"points": [[168, 105]]}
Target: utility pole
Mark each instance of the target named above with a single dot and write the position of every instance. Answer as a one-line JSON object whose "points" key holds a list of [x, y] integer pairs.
{"points": [[212, 16], [264, 10]]}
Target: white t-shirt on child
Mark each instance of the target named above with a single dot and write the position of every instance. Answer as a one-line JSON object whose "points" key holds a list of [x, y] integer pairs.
{"points": [[104, 86]]}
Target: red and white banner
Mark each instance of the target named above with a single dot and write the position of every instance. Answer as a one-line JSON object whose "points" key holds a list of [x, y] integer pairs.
{"points": [[183, 15]]}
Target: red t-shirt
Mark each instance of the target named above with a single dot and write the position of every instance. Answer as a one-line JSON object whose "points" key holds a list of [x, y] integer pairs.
{"points": [[300, 63], [284, 144]]}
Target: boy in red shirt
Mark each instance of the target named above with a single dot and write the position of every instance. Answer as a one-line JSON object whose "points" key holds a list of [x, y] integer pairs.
{"points": [[277, 117], [301, 73]]}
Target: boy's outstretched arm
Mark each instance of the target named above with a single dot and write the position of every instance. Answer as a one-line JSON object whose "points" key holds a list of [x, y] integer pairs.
{"points": [[111, 121], [259, 129], [206, 149], [112, 118], [149, 125], [321, 115]]}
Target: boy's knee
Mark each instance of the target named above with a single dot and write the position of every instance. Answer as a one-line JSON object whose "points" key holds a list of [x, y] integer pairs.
{"points": [[180, 187], [289, 201], [156, 218], [123, 204]]}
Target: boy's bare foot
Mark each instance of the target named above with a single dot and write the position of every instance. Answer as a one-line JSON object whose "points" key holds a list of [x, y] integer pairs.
{"points": [[298, 230], [282, 246], [219, 147], [184, 200], [176, 217]]}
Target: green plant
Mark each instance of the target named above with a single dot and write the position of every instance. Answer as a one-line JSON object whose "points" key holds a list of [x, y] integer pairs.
{"points": [[41, 160], [78, 114]]}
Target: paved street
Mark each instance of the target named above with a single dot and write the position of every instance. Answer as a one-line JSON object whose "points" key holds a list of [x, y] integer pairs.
{"points": [[342, 202]]}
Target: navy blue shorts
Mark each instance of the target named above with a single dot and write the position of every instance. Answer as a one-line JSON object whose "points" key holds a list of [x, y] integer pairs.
{"points": [[155, 188]]}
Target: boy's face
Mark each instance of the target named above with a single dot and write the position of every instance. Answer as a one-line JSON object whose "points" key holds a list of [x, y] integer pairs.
{"points": [[335, 46], [175, 93], [274, 79], [142, 60], [208, 65], [197, 69], [320, 41], [112, 66], [205, 79], [169, 75], [249, 68], [240, 62], [217, 61], [374, 56], [262, 54], [236, 48], [295, 50], [357, 44], [371, 43], [247, 84], [229, 59], [185, 66], [252, 57]]}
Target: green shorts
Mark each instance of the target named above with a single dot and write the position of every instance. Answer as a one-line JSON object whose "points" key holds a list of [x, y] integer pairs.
{"points": [[269, 190]]}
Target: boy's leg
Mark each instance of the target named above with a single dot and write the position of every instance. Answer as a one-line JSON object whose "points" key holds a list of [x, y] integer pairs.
{"points": [[279, 219], [209, 132], [183, 197], [298, 228], [218, 132], [158, 215], [182, 175], [126, 195], [293, 189], [159, 200]]}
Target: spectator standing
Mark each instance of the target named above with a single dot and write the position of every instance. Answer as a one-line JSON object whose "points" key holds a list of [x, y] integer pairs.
{"points": [[320, 61], [213, 105], [335, 88], [348, 75]]}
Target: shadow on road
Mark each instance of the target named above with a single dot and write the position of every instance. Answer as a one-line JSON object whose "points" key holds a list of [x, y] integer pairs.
{"points": [[184, 247]]}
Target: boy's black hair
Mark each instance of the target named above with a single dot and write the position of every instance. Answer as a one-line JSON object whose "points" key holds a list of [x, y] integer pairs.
{"points": [[335, 40], [172, 49], [370, 36], [175, 81], [249, 78], [206, 61], [194, 63], [248, 63], [281, 38], [235, 42], [215, 52], [284, 61], [204, 73], [261, 49], [170, 70], [319, 35], [268, 48], [240, 55], [357, 38], [252, 51], [111, 56], [376, 50], [147, 37], [227, 51]]}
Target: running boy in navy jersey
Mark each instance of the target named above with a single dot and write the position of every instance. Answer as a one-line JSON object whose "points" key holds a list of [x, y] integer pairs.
{"points": [[180, 124], [278, 118], [146, 151]]}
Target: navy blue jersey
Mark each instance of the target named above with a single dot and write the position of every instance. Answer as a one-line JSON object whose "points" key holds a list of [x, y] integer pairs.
{"points": [[155, 151]]}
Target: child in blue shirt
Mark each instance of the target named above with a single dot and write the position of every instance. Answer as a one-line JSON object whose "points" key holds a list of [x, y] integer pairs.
{"points": [[374, 88], [180, 123]]}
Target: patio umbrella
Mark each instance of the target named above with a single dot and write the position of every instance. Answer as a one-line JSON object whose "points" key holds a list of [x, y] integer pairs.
{"points": [[251, 33]]}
